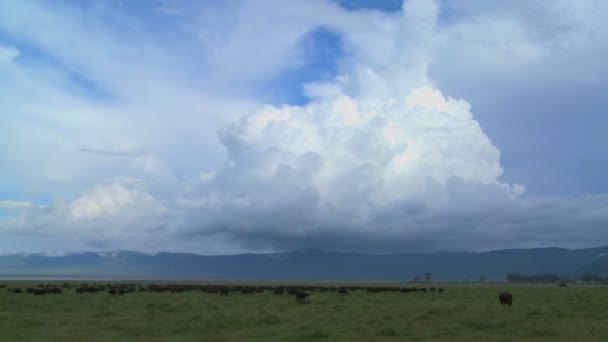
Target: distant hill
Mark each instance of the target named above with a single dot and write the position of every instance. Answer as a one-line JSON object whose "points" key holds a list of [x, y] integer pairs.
{"points": [[311, 265]]}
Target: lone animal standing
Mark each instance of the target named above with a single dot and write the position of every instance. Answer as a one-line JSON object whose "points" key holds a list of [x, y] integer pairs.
{"points": [[505, 298], [302, 298]]}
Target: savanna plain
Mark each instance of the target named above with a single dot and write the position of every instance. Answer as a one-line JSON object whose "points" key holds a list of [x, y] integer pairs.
{"points": [[462, 312]]}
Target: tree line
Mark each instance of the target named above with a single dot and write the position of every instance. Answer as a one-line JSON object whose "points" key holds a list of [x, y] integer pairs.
{"points": [[554, 278]]}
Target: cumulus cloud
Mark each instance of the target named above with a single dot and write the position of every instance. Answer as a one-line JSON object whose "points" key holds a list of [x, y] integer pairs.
{"points": [[361, 160], [106, 214], [389, 151], [336, 166]]}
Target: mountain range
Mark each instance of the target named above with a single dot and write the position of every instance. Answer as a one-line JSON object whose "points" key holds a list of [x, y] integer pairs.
{"points": [[310, 264]]}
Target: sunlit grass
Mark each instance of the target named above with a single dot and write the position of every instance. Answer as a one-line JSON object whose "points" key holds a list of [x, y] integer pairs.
{"points": [[463, 312]]}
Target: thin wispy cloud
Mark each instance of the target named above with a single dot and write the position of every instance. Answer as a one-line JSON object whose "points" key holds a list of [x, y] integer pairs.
{"points": [[113, 153]]}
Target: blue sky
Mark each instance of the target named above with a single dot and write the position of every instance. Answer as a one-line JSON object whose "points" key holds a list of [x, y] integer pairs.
{"points": [[215, 127]]}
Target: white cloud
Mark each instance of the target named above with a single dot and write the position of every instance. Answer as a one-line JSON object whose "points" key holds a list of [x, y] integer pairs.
{"points": [[478, 39], [111, 200], [427, 97], [395, 146], [170, 7], [542, 40], [15, 205], [7, 53], [55, 254], [337, 165], [110, 213]]}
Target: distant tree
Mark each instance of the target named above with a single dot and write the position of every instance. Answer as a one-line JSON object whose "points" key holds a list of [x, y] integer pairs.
{"points": [[586, 278], [482, 278], [591, 278], [427, 276], [417, 278]]}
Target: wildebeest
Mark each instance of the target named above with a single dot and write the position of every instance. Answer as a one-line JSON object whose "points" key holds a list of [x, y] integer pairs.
{"points": [[342, 290], [439, 290], [302, 298], [505, 298]]}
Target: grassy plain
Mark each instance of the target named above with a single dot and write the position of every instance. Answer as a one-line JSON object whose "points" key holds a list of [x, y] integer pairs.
{"points": [[462, 313]]}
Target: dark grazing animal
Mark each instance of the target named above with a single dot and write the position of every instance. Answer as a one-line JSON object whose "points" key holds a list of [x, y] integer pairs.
{"points": [[302, 298], [505, 298]]}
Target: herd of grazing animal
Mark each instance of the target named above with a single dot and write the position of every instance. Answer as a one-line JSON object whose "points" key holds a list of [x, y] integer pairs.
{"points": [[300, 293]]}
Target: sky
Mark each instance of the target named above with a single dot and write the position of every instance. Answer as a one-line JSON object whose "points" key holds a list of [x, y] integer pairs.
{"points": [[218, 127]]}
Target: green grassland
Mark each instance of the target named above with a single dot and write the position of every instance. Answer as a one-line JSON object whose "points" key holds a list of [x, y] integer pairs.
{"points": [[462, 313]]}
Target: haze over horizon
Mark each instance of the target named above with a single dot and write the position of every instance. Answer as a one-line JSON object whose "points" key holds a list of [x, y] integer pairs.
{"points": [[259, 126]]}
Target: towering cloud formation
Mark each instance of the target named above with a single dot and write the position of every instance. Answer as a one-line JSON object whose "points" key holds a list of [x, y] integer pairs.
{"points": [[355, 156], [371, 152]]}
